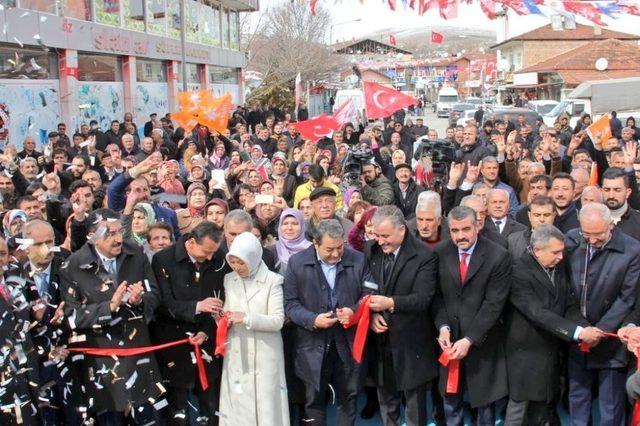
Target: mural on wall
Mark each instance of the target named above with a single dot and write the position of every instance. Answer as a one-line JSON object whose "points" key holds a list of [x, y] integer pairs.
{"points": [[150, 98], [101, 101], [220, 89], [28, 109]]}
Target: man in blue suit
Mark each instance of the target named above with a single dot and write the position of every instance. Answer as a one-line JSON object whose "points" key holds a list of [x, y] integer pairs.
{"points": [[139, 179], [605, 269], [322, 288]]}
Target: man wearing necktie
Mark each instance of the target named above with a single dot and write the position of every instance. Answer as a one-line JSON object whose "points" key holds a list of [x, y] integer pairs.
{"points": [[473, 287], [403, 347], [498, 212], [41, 275]]}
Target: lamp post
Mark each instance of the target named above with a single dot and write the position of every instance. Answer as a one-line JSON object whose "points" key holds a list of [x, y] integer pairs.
{"points": [[183, 47], [339, 23]]}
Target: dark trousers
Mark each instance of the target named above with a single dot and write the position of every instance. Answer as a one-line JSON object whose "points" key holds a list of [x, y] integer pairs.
{"points": [[140, 415], [64, 411], [454, 411], [345, 384], [530, 413], [611, 392], [415, 411], [179, 408]]}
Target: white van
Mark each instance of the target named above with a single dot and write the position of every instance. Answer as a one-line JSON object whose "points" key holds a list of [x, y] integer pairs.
{"points": [[447, 96]]}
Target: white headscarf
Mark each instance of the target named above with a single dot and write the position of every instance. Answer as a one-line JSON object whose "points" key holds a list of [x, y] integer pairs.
{"points": [[247, 248]]}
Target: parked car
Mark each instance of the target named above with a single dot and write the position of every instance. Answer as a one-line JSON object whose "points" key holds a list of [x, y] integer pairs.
{"points": [[530, 116], [542, 107], [465, 117], [457, 110]]}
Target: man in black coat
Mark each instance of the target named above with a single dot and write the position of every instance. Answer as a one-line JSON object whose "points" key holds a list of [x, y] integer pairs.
{"points": [[41, 273], [605, 270], [190, 275], [403, 348], [406, 191], [110, 295], [18, 359], [562, 191], [544, 315], [498, 212], [235, 223], [322, 289], [616, 191], [474, 276]]}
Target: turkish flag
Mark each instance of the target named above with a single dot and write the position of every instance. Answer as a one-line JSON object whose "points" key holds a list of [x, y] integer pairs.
{"points": [[317, 127], [425, 5], [392, 39], [489, 8], [586, 10], [392, 4], [629, 7], [381, 101], [436, 37], [448, 9]]}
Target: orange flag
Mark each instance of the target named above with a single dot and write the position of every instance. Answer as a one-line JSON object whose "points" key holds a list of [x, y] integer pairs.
{"points": [[600, 127], [200, 107], [215, 114], [593, 176]]}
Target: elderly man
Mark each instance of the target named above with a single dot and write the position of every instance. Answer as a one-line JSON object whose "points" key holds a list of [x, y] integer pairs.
{"points": [[323, 204], [110, 295], [322, 289], [545, 314], [474, 276], [235, 223], [498, 210], [405, 190], [427, 225], [190, 275], [403, 353], [605, 269], [477, 204]]}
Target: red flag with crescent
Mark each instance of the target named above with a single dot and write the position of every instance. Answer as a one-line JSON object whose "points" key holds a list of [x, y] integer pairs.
{"points": [[381, 101], [317, 127]]}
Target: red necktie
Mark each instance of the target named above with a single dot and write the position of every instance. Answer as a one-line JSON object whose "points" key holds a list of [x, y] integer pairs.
{"points": [[4, 293], [463, 266]]}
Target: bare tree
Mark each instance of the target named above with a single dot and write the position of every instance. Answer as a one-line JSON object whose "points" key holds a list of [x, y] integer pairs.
{"points": [[289, 40]]}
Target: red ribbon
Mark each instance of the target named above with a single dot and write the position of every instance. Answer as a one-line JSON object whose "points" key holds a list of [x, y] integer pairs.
{"points": [[635, 418], [362, 316], [146, 349], [453, 375], [221, 335]]}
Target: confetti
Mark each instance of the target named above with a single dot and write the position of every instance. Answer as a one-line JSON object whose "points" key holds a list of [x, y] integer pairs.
{"points": [[132, 380]]}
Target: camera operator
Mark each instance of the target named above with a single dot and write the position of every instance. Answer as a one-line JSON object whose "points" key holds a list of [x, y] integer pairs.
{"points": [[376, 189]]}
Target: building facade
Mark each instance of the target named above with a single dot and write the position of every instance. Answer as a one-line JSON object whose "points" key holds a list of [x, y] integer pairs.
{"points": [[73, 61]]}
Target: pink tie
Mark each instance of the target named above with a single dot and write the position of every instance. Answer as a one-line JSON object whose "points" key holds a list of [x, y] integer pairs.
{"points": [[463, 267]]}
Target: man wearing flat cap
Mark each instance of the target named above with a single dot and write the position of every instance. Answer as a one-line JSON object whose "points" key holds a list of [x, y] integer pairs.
{"points": [[406, 190], [323, 204]]}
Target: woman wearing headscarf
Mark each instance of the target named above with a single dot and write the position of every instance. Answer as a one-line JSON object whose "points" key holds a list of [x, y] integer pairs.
{"points": [[12, 222], [270, 214], [215, 211], [219, 159], [137, 224], [255, 308], [362, 231], [291, 239], [260, 163], [194, 213]]}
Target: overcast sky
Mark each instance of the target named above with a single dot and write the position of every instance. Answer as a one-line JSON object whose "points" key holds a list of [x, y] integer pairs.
{"points": [[375, 15]]}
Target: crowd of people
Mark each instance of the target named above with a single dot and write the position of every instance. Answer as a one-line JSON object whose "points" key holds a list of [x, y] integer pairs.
{"points": [[172, 277]]}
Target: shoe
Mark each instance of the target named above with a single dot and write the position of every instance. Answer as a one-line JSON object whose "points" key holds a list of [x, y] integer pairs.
{"points": [[369, 410]]}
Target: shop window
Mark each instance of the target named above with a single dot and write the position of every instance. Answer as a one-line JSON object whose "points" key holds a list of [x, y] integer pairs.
{"points": [[28, 64], [148, 71], [108, 12], [157, 17], [193, 21], [209, 26], [173, 24], [223, 75], [78, 9], [134, 14], [234, 30], [99, 67], [193, 73]]}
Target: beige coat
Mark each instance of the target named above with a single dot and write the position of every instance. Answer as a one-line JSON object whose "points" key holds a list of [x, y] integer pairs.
{"points": [[254, 387]]}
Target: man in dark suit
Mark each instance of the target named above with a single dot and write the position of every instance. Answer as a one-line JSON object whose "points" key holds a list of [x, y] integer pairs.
{"points": [[41, 275], [235, 223], [544, 315], [18, 396], [148, 126], [110, 295], [478, 205], [605, 269], [406, 191], [474, 276], [403, 350], [498, 212], [190, 275], [541, 211], [322, 289], [562, 192]]}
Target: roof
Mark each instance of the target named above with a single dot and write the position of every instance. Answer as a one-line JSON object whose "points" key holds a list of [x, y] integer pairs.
{"points": [[582, 32], [621, 56], [367, 46]]}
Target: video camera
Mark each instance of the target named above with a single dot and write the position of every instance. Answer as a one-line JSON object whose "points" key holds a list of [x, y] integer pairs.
{"points": [[352, 169], [441, 152]]}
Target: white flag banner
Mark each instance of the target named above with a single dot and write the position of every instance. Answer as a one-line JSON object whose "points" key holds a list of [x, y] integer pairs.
{"points": [[346, 113], [298, 91]]}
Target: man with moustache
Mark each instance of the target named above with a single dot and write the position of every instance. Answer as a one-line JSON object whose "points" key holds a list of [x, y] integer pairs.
{"points": [[41, 273], [616, 191], [541, 211], [110, 295], [474, 276], [402, 348]]}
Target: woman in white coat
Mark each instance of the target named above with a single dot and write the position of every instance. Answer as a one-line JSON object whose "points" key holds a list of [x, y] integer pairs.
{"points": [[254, 387]]}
